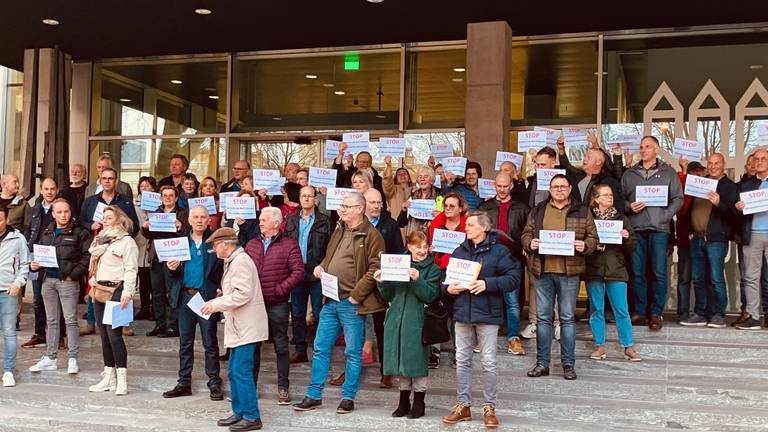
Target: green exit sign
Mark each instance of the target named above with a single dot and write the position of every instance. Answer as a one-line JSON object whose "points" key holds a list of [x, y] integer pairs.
{"points": [[352, 62]]}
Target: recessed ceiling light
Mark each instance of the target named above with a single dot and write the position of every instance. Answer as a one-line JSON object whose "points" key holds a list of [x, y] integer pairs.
{"points": [[310, 76], [203, 11], [459, 69], [175, 81], [457, 79], [50, 22], [214, 97], [339, 92], [277, 118], [210, 89], [374, 1], [125, 100], [329, 85], [381, 116], [756, 66]]}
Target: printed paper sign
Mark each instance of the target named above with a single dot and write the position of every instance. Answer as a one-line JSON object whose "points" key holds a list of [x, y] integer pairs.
{"points": [[502, 157], [196, 305], [421, 209], [241, 207], [628, 143], [116, 316], [335, 197], [441, 151], [699, 187], [269, 180], [331, 149], [322, 177], [45, 256], [544, 176], [446, 241], [98, 215], [461, 272], [575, 137], [652, 195], [552, 136], [437, 182], [689, 149], [330, 285], [609, 231], [357, 141], [456, 165], [486, 188], [754, 201], [162, 222], [556, 242], [531, 140], [223, 200], [395, 267], [208, 202], [762, 134], [150, 201], [394, 147], [176, 248]]}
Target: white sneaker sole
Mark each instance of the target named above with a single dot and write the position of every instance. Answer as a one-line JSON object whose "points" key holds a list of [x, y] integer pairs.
{"points": [[701, 324]]}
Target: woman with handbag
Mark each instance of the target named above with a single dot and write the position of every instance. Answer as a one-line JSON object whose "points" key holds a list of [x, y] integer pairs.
{"points": [[405, 354], [114, 263]]}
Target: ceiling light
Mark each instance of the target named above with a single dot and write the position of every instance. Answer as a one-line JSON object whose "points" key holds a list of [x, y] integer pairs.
{"points": [[756, 66], [175, 81], [310, 76], [214, 97], [374, 1], [125, 100], [50, 22], [457, 79], [277, 118], [329, 85], [381, 116], [459, 69], [203, 11], [339, 92]]}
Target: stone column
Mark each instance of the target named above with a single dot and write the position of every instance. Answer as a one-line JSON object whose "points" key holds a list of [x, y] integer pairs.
{"points": [[489, 50]]}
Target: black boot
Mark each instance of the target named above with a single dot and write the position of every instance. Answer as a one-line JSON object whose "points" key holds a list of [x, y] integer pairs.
{"points": [[417, 410], [405, 404]]}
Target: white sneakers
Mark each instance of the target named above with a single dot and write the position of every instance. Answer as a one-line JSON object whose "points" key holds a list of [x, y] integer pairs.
{"points": [[529, 332], [45, 364], [8, 380], [72, 367], [108, 381]]}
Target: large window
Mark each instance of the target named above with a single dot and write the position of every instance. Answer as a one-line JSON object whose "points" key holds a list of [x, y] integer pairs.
{"points": [[11, 82], [436, 95]]}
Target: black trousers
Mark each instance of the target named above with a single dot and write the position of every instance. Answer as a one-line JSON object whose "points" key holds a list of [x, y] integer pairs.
{"points": [[277, 317], [112, 344], [188, 323]]}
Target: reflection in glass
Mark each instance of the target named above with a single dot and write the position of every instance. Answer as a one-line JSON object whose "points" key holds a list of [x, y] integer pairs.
{"points": [[437, 88]]}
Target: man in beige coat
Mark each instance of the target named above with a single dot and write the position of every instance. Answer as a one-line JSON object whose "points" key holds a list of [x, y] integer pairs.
{"points": [[245, 326]]}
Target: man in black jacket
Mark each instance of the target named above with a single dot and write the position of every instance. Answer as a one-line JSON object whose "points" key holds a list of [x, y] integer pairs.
{"points": [[596, 169], [509, 217], [93, 206], [362, 161], [312, 230], [240, 170]]}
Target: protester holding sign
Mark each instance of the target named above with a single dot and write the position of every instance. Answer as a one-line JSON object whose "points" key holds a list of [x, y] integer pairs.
{"points": [[424, 190], [115, 259], [209, 188], [90, 220], [404, 353], [557, 277], [397, 187], [453, 218], [546, 158], [146, 252], [467, 184], [363, 160], [607, 273], [478, 311]]}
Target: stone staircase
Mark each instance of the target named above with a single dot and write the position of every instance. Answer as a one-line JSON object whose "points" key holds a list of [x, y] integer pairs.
{"points": [[690, 378]]}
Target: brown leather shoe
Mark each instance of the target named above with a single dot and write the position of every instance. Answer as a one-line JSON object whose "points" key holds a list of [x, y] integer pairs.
{"points": [[62, 344], [638, 320], [339, 380], [386, 382], [744, 317], [34, 342], [299, 358], [489, 417], [460, 413], [656, 322]]}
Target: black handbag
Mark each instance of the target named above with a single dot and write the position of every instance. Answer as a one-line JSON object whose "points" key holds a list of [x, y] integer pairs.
{"points": [[436, 329]]}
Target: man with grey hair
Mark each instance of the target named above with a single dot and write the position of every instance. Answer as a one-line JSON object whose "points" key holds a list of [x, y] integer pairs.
{"points": [[281, 268], [19, 211], [104, 162], [350, 289], [74, 192]]}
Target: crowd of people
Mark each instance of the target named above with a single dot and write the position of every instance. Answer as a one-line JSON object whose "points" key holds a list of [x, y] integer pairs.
{"points": [[266, 274]]}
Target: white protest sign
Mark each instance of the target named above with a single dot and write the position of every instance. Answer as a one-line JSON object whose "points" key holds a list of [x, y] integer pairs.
{"points": [[395, 267], [762, 134], [322, 177], [556, 242], [652, 195], [486, 188], [699, 187], [357, 141], [531, 140], [461, 272], [609, 231], [437, 182], [269, 180], [575, 137], [441, 151], [502, 157], [330, 286], [394, 147], [421, 209], [628, 143], [544, 176], [446, 241], [223, 197], [150, 201], [335, 197], [176, 248], [208, 202], [98, 215], [689, 149], [241, 207], [552, 135], [162, 222], [755, 201], [456, 165], [196, 305], [331, 149], [45, 256]]}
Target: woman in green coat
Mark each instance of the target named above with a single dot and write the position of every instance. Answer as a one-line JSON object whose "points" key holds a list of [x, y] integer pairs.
{"points": [[404, 354]]}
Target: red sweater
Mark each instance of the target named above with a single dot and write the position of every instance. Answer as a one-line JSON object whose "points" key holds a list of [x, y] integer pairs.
{"points": [[441, 259]]}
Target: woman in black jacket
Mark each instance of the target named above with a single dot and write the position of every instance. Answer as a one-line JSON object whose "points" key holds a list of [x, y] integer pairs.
{"points": [[607, 272]]}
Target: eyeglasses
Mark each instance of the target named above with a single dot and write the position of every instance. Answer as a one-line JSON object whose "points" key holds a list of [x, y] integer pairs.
{"points": [[306, 196], [108, 179], [559, 187], [375, 203], [347, 207]]}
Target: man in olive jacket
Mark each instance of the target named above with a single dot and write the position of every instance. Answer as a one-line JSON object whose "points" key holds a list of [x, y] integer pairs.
{"points": [[350, 262]]}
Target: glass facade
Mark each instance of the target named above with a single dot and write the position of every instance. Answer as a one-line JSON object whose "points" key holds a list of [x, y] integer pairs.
{"points": [[436, 89], [11, 89]]}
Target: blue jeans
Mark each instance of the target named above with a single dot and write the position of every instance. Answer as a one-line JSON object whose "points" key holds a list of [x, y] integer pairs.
{"points": [[683, 282], [245, 401], [651, 245], [335, 317], [565, 289], [617, 294], [512, 300], [709, 277], [8, 307], [299, 297]]}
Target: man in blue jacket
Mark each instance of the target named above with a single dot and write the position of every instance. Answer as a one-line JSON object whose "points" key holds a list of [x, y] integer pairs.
{"points": [[93, 206], [478, 311]]}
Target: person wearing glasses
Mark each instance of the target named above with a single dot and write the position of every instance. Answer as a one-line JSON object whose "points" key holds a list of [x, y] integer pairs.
{"points": [[352, 257], [424, 189], [241, 169]]}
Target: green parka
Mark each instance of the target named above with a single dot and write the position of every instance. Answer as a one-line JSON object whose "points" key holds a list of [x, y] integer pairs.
{"points": [[404, 354]]}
